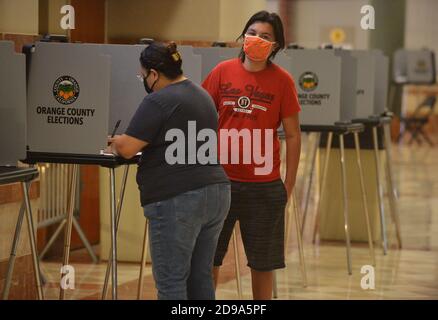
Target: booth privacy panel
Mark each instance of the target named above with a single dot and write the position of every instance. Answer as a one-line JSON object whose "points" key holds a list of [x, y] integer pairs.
{"points": [[372, 82], [382, 83], [126, 90], [317, 75], [192, 64], [12, 104], [366, 67], [211, 57], [348, 85], [68, 99]]}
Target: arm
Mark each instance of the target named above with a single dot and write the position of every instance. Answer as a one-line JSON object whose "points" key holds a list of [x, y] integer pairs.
{"points": [[292, 132], [126, 146]]}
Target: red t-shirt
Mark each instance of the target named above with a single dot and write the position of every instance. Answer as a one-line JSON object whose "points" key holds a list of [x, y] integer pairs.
{"points": [[247, 101]]}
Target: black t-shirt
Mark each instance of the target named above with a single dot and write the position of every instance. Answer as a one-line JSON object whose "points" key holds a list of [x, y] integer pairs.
{"points": [[178, 106]]}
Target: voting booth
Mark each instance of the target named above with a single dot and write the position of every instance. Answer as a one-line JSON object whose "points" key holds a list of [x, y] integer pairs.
{"points": [[414, 67], [76, 93], [371, 90], [326, 82], [12, 104], [13, 145], [68, 99]]}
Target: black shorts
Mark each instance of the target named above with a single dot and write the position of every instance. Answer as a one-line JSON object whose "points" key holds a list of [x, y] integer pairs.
{"points": [[259, 207]]}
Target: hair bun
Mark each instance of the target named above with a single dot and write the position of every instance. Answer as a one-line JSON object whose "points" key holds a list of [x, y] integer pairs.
{"points": [[172, 48]]}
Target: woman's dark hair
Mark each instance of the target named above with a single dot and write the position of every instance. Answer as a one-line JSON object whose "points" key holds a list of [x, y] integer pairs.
{"points": [[162, 57], [275, 21]]}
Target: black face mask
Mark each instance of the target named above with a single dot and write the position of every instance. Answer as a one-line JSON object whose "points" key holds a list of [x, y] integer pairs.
{"points": [[148, 89]]}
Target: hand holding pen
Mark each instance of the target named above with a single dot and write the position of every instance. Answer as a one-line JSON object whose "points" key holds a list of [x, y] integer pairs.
{"points": [[112, 138]]}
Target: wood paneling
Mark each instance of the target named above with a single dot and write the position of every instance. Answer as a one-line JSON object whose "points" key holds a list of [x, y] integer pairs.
{"points": [[12, 192], [89, 21], [20, 39], [89, 217], [23, 283]]}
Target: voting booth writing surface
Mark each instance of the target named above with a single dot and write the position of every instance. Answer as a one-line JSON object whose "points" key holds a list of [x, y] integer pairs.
{"points": [[12, 104], [68, 99], [317, 75]]}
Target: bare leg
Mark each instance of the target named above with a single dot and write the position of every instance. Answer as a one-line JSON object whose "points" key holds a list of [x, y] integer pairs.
{"points": [[215, 276], [261, 285]]}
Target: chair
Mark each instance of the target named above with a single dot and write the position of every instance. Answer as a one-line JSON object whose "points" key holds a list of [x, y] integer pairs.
{"points": [[415, 124]]}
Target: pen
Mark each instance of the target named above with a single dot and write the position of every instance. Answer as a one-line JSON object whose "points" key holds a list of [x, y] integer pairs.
{"points": [[115, 128]]}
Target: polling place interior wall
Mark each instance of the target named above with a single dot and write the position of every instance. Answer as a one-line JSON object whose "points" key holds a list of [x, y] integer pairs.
{"points": [[421, 31], [389, 35], [31, 17], [421, 24], [53, 8], [234, 15], [165, 19], [19, 16], [312, 20], [203, 20]]}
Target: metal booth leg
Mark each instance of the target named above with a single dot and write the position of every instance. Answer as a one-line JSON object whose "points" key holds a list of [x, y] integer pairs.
{"points": [[84, 240], [323, 185], [380, 194], [309, 185], [31, 232], [12, 256], [345, 203], [52, 239], [24, 209], [113, 223], [391, 188], [364, 199], [67, 238], [119, 210], [299, 239]]}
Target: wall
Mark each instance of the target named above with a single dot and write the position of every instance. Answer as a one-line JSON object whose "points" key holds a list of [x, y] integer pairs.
{"points": [[165, 19], [234, 17], [421, 24], [55, 16], [421, 31], [19, 16], [310, 17]]}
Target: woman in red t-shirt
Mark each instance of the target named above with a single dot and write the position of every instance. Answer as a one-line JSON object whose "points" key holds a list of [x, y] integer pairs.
{"points": [[254, 97]]}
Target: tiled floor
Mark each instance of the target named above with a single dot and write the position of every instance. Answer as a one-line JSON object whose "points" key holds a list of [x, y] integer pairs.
{"points": [[410, 273]]}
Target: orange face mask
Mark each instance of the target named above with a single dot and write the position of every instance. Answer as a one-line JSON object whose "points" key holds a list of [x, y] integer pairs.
{"points": [[256, 48]]}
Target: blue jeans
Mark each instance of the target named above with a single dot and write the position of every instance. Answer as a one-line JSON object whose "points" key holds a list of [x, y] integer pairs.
{"points": [[183, 234]]}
